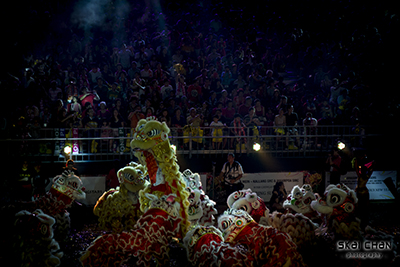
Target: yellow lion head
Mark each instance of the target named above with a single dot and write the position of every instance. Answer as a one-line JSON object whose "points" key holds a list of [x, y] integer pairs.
{"points": [[149, 133], [133, 177]]}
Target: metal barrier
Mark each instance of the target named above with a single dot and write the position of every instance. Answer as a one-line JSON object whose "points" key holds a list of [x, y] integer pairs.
{"points": [[104, 144]]}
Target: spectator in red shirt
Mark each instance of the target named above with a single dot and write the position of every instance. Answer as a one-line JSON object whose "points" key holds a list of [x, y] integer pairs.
{"points": [[194, 92], [88, 96], [243, 109], [229, 111]]}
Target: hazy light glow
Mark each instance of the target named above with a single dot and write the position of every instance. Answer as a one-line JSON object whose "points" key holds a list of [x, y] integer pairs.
{"points": [[341, 145], [67, 150]]}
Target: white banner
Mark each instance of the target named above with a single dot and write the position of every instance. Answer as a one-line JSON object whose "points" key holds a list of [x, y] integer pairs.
{"points": [[377, 188], [263, 183], [95, 186]]}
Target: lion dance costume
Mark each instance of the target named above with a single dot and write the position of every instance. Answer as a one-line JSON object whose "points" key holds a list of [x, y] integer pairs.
{"points": [[119, 208]]}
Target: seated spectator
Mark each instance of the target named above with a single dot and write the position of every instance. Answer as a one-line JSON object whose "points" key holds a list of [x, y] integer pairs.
{"points": [[159, 73], [225, 121], [203, 77], [54, 91], [279, 123], [177, 57], [149, 112], [123, 81], [229, 111], [90, 120], [133, 70], [224, 98], [107, 74], [247, 91], [86, 108], [71, 89], [239, 99], [283, 104], [216, 132], [45, 117], [206, 88], [244, 108], [221, 117], [116, 120], [163, 57], [237, 129], [194, 93], [114, 92], [135, 116], [74, 106], [178, 121], [206, 113], [275, 100], [325, 111], [124, 55], [212, 57], [217, 86], [83, 80], [137, 84], [141, 56], [101, 88], [213, 99], [310, 127], [94, 74], [251, 120], [88, 97], [219, 106], [63, 119], [239, 82], [153, 91], [146, 73], [165, 89], [270, 83], [160, 108], [280, 84], [194, 119], [259, 109], [147, 104], [255, 80], [226, 77], [164, 117], [180, 85], [75, 121], [292, 121], [103, 113], [310, 104]]}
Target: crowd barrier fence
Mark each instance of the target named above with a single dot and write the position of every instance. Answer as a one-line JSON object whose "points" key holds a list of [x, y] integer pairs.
{"points": [[103, 144]]}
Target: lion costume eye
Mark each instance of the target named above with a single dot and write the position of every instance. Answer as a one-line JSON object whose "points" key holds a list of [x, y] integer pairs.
{"points": [[128, 177], [335, 199], [153, 133], [239, 222], [225, 225], [244, 207], [307, 201], [348, 207]]}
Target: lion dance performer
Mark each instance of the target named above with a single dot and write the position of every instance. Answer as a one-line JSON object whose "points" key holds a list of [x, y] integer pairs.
{"points": [[154, 151], [119, 208]]}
